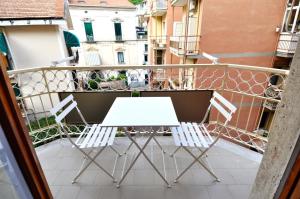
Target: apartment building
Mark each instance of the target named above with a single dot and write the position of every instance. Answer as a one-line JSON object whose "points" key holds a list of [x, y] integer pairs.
{"points": [[238, 32], [159, 16], [109, 32], [289, 35]]}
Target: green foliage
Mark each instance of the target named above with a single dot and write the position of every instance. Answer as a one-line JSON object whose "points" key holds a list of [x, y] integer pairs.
{"points": [[122, 77], [43, 123], [135, 2], [112, 78], [93, 84], [135, 93]]}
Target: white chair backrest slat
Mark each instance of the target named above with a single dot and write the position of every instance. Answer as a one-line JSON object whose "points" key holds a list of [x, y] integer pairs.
{"points": [[65, 112], [63, 103], [224, 101], [220, 108]]}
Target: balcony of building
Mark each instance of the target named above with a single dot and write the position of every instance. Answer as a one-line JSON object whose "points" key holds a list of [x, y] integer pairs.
{"points": [[142, 9], [179, 2], [235, 159], [158, 7], [158, 42], [287, 45], [185, 45], [141, 33]]}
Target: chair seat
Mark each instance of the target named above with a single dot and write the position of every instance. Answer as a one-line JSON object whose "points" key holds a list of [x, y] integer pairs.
{"points": [[96, 136], [191, 135]]}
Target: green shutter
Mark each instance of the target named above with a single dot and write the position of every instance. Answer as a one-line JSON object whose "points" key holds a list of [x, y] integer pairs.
{"points": [[3, 44], [88, 28]]}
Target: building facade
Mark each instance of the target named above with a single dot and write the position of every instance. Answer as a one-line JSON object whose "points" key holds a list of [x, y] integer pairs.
{"points": [[32, 35], [238, 32], [109, 32]]}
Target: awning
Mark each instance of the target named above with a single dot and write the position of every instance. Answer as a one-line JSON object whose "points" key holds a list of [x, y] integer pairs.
{"points": [[71, 39], [3, 44]]}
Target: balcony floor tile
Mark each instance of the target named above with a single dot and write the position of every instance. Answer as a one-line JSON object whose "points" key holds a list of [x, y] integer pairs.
{"points": [[236, 166]]}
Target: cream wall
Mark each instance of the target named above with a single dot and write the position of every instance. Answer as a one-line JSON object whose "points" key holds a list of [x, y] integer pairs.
{"points": [[104, 34], [35, 46], [133, 52], [103, 22]]}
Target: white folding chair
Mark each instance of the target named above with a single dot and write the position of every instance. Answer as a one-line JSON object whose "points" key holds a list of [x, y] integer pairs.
{"points": [[191, 135], [93, 136]]}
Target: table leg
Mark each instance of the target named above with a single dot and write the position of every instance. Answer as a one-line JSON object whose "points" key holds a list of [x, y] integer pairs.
{"points": [[142, 152], [135, 159]]}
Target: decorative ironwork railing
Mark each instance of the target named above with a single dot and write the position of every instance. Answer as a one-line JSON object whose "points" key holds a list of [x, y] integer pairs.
{"points": [[248, 87]]}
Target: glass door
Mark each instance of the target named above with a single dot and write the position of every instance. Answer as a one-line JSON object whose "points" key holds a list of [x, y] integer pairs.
{"points": [[12, 183]]}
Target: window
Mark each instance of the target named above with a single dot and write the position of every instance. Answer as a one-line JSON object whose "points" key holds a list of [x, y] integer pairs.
{"points": [[146, 47], [89, 31], [159, 57], [118, 31], [121, 58], [145, 59]]}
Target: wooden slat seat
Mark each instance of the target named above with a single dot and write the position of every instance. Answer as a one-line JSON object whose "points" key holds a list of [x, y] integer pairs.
{"points": [[96, 136], [191, 135]]}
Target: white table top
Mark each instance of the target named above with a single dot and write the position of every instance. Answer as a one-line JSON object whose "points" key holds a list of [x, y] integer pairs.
{"points": [[141, 112]]}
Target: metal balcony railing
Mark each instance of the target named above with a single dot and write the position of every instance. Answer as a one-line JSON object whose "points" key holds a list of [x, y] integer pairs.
{"points": [[142, 9], [158, 42], [158, 7], [185, 45], [287, 44], [119, 38], [38, 89]]}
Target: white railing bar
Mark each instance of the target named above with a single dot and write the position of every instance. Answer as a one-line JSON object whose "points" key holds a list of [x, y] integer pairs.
{"points": [[166, 66]]}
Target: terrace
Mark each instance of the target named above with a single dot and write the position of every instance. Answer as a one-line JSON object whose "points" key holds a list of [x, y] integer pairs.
{"points": [[235, 159]]}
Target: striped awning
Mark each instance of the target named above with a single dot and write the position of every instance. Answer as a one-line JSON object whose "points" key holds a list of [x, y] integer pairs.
{"points": [[71, 39]]}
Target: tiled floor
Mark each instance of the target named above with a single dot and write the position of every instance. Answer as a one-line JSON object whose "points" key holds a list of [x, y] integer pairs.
{"points": [[235, 166]]}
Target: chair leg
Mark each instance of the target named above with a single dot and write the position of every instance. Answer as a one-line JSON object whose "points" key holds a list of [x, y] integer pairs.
{"points": [[196, 159], [116, 151], [172, 154], [92, 159], [206, 167], [158, 144]]}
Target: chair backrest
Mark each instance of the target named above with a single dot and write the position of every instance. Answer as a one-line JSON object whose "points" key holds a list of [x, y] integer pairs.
{"points": [[223, 106], [59, 112]]}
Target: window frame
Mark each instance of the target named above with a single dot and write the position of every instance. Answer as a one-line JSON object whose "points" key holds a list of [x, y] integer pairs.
{"points": [[122, 60], [118, 36]]}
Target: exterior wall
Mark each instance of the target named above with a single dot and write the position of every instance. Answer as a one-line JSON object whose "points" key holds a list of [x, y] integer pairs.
{"points": [[240, 26], [35, 46], [155, 29], [103, 25], [133, 52], [104, 34]]}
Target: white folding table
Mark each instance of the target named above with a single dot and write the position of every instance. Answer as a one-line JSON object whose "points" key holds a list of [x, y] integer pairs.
{"points": [[154, 112]]}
